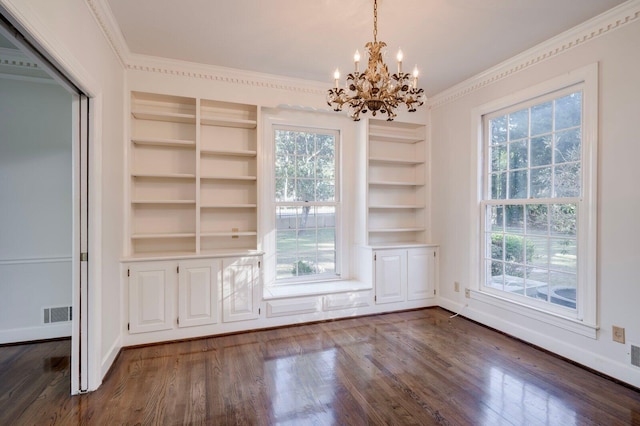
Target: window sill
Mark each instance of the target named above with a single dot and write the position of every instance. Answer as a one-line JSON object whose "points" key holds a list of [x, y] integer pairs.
{"points": [[569, 324], [313, 289]]}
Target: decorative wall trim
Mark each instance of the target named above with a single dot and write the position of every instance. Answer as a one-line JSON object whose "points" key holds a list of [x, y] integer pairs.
{"points": [[35, 260], [600, 25], [106, 21], [15, 58]]}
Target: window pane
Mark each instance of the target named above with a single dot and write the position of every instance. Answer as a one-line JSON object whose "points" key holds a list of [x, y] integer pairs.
{"points": [[496, 218], [498, 186], [518, 184], [564, 255], [537, 252], [567, 146], [563, 220], [497, 246], [567, 180], [325, 168], [514, 220], [285, 189], [495, 274], [518, 157], [325, 190], [537, 219], [542, 118], [326, 145], [568, 111], [541, 151], [498, 158], [563, 289], [519, 124], [540, 182], [499, 129]]}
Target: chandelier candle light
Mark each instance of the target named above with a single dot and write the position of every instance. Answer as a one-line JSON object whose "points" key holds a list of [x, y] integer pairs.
{"points": [[375, 89]]}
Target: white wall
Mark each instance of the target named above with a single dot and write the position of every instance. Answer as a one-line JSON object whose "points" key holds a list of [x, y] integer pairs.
{"points": [[68, 30], [618, 256], [35, 208]]}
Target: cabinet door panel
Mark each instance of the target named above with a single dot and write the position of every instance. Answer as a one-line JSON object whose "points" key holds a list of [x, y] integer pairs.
{"points": [[420, 276], [241, 289], [198, 293], [390, 275], [151, 297]]}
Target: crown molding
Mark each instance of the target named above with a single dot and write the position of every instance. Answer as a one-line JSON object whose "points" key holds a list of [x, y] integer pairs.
{"points": [[223, 74], [103, 15], [600, 25], [15, 58]]}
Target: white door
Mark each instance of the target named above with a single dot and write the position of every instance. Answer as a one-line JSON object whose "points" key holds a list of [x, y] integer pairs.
{"points": [[151, 287], [420, 273], [390, 275], [198, 284], [241, 289]]}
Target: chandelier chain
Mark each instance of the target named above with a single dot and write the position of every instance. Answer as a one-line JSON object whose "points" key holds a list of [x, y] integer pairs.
{"points": [[375, 21]]}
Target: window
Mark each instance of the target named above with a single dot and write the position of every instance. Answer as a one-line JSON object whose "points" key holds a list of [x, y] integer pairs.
{"points": [[538, 202], [306, 203]]}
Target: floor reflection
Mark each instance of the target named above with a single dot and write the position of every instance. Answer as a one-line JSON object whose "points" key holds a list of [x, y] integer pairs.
{"points": [[304, 387], [522, 402]]}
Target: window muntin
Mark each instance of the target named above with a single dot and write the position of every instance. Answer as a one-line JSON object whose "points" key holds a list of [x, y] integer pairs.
{"points": [[532, 200], [306, 203]]}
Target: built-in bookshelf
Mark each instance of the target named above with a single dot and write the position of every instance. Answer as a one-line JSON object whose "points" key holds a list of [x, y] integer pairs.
{"points": [[193, 175], [396, 172]]}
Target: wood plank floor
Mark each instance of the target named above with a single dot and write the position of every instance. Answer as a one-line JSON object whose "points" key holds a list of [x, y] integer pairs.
{"points": [[417, 367]]}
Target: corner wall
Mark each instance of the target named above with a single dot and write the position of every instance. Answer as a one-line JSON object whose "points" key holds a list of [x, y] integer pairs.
{"points": [[618, 257]]}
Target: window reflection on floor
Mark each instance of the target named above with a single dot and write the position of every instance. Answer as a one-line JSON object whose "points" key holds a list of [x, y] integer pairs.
{"points": [[523, 403], [294, 399]]}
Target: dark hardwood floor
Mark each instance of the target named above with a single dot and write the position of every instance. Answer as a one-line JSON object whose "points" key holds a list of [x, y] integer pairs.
{"points": [[417, 367]]}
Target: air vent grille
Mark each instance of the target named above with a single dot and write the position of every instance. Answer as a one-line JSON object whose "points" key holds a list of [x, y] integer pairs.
{"points": [[57, 314], [635, 355]]}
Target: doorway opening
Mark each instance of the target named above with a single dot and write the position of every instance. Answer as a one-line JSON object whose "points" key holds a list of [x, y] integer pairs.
{"points": [[44, 191]]}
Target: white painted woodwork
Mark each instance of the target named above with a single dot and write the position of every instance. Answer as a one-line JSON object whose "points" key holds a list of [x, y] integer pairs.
{"points": [[346, 301], [194, 175], [421, 273], [151, 287], [241, 289], [198, 284], [390, 275], [295, 306], [396, 179]]}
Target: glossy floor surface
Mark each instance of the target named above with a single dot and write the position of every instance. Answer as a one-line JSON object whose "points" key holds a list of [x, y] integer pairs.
{"points": [[418, 367]]}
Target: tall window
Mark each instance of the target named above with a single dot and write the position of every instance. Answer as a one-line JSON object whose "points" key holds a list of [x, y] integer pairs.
{"points": [[306, 203], [532, 203]]}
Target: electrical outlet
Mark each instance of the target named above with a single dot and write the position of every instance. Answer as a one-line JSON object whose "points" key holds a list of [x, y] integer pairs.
{"points": [[618, 334], [456, 286], [467, 293]]}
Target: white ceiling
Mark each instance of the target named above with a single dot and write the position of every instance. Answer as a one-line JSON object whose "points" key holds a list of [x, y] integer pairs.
{"points": [[449, 40]]}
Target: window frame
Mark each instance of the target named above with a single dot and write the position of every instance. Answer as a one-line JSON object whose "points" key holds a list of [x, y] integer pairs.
{"points": [[583, 319], [311, 278]]}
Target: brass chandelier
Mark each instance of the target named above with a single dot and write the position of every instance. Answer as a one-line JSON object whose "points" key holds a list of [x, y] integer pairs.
{"points": [[375, 89]]}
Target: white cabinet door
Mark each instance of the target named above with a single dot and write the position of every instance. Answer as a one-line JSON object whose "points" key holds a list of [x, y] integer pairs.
{"points": [[151, 297], [241, 289], [198, 292], [390, 275], [421, 265]]}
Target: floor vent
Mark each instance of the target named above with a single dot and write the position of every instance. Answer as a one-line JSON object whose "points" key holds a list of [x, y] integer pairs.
{"points": [[635, 355], [58, 314]]}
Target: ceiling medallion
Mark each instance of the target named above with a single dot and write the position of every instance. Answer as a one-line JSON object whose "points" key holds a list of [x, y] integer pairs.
{"points": [[375, 89]]}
